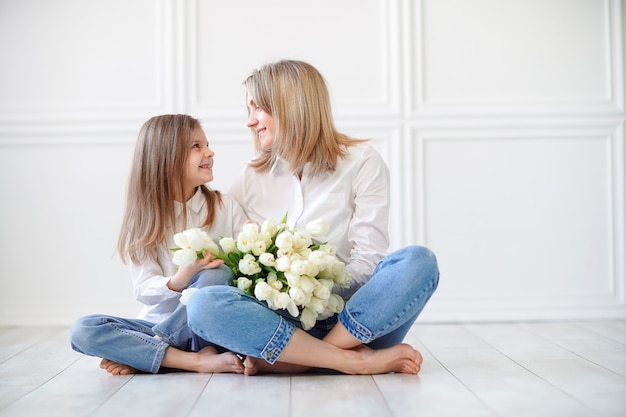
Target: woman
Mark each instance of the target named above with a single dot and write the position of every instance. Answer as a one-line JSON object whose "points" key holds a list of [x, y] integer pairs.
{"points": [[306, 168]]}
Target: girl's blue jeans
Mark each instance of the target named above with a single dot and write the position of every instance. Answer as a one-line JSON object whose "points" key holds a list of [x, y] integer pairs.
{"points": [[379, 314], [132, 342]]}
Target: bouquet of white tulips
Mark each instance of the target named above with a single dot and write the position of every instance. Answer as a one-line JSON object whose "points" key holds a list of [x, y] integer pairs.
{"points": [[283, 267]]}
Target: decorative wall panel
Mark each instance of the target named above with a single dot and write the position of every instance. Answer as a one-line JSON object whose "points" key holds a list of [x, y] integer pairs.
{"points": [[354, 43], [537, 57], [84, 61], [502, 123], [526, 215]]}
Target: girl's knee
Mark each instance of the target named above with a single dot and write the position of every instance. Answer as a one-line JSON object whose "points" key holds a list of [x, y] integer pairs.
{"points": [[216, 276], [81, 332]]}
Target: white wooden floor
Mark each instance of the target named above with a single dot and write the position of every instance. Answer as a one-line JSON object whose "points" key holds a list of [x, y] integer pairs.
{"points": [[520, 369]]}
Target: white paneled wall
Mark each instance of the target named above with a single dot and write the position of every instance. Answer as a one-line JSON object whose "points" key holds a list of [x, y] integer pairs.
{"points": [[502, 122]]}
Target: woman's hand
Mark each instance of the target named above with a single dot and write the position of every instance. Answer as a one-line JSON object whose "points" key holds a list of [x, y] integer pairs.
{"points": [[183, 276]]}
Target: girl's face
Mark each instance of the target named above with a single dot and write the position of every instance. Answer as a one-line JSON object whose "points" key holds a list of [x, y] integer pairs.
{"points": [[262, 123], [199, 168]]}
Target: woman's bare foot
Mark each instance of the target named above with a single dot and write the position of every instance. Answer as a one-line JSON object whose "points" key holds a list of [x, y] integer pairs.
{"points": [[210, 361], [401, 358], [255, 366], [117, 368]]}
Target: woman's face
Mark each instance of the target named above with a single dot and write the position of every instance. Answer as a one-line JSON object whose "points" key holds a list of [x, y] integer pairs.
{"points": [[262, 123]]}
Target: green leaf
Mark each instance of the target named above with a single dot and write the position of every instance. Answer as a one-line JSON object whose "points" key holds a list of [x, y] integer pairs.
{"points": [[234, 258]]}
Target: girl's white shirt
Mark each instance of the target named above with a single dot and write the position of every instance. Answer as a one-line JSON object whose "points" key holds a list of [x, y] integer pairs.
{"points": [[150, 278], [354, 200]]}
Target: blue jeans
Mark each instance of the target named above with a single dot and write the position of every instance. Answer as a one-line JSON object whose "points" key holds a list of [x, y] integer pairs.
{"points": [[131, 341], [379, 314]]}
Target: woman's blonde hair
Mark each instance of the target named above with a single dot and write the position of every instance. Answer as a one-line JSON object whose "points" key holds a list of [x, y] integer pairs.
{"points": [[295, 94], [156, 178]]}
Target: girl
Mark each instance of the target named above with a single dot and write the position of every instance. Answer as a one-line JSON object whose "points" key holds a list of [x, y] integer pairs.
{"points": [[166, 195], [305, 167]]}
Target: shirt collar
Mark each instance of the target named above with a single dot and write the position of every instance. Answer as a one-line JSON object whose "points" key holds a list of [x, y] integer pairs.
{"points": [[194, 204], [281, 166]]}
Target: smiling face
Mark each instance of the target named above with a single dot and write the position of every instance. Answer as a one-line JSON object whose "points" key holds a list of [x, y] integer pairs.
{"points": [[199, 164], [261, 122]]}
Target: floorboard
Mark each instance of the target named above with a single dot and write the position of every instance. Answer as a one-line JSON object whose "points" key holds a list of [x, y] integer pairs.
{"points": [[551, 369]]}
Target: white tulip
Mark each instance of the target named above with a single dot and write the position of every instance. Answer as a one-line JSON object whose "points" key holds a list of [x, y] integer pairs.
{"points": [[335, 303], [210, 245], [184, 257], [270, 227], [181, 240], [298, 296], [258, 247], [284, 240], [186, 294], [283, 263], [308, 318], [301, 240], [329, 249], [317, 227], [262, 291], [267, 259], [298, 267], [227, 244], [282, 300], [317, 305], [247, 265], [292, 308], [244, 283], [196, 239], [321, 289]]}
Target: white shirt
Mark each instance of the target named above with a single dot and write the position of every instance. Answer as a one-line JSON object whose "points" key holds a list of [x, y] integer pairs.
{"points": [[354, 200], [150, 278]]}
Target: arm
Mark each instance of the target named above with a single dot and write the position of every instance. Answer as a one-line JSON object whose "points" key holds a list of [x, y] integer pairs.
{"points": [[152, 285], [368, 230]]}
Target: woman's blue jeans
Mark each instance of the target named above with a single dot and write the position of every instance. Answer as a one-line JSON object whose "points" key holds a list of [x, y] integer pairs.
{"points": [[131, 341], [379, 314]]}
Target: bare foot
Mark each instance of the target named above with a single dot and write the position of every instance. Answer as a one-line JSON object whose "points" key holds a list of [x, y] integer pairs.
{"points": [[255, 366], [117, 368], [401, 358], [209, 361]]}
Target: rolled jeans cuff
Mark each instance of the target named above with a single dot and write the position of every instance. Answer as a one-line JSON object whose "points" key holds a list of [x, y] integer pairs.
{"points": [[278, 341], [158, 357], [356, 329]]}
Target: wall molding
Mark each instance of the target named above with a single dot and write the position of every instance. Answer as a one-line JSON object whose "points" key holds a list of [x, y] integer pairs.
{"points": [[613, 105], [507, 308]]}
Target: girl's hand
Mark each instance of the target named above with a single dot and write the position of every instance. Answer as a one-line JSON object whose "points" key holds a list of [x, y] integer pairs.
{"points": [[207, 263], [183, 276]]}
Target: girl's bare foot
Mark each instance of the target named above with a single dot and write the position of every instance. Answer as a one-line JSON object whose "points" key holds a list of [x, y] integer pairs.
{"points": [[401, 358], [209, 361], [255, 366], [117, 368]]}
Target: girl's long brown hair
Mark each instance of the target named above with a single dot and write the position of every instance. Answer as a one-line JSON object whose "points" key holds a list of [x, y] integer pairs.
{"points": [[296, 96], [156, 178]]}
